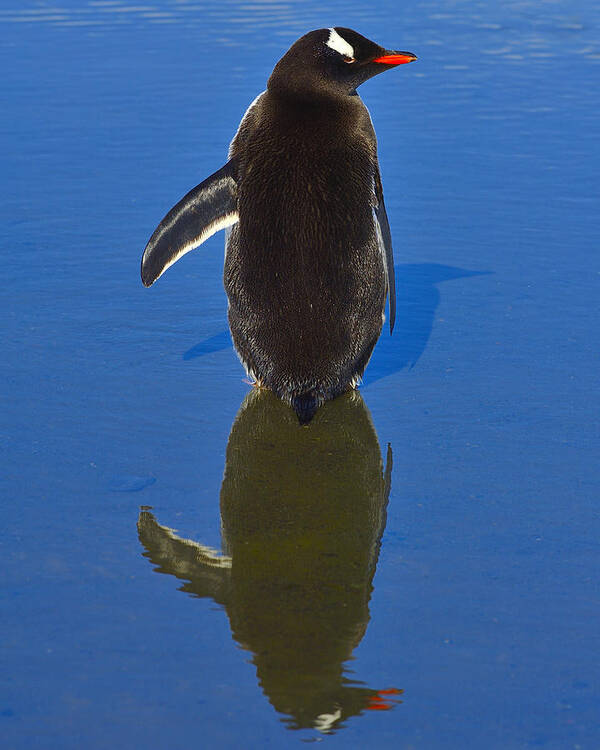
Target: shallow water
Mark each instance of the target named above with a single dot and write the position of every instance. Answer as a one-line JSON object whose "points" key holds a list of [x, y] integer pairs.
{"points": [[419, 568]]}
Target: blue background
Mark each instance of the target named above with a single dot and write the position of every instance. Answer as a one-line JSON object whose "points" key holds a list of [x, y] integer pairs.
{"points": [[486, 599]]}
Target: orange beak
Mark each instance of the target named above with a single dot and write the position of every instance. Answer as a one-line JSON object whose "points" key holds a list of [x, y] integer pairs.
{"points": [[396, 58]]}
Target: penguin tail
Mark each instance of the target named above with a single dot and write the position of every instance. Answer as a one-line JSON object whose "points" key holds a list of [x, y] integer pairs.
{"points": [[305, 405]]}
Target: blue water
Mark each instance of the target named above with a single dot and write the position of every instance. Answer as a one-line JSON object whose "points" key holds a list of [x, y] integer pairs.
{"points": [[436, 539]]}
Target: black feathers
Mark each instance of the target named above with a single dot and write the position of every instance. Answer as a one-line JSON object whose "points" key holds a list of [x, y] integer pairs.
{"points": [[309, 262]]}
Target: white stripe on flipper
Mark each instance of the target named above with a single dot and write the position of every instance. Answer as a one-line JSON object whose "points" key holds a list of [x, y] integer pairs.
{"points": [[380, 241], [204, 554], [339, 44], [221, 223]]}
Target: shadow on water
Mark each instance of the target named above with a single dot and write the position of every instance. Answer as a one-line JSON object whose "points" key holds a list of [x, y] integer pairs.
{"points": [[216, 343], [417, 300], [302, 515]]}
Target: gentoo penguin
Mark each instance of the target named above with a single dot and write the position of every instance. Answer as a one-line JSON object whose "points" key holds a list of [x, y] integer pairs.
{"points": [[308, 259]]}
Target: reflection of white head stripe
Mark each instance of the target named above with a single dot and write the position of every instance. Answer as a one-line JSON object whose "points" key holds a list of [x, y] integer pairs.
{"points": [[324, 722], [339, 44]]}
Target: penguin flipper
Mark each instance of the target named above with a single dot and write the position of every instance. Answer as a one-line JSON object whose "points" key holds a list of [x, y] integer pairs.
{"points": [[209, 207], [388, 253], [206, 570]]}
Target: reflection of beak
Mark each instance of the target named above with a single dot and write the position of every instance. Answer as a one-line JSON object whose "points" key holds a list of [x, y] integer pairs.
{"points": [[383, 701], [396, 58]]}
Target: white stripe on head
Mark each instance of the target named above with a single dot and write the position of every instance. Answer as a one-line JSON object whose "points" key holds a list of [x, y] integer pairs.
{"points": [[339, 44]]}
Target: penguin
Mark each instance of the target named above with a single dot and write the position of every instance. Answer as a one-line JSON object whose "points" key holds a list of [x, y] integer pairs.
{"points": [[308, 256]]}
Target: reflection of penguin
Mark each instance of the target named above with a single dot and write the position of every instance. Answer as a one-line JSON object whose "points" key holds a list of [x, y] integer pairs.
{"points": [[309, 261], [302, 517]]}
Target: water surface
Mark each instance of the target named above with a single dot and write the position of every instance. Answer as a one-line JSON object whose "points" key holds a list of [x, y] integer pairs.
{"points": [[416, 570]]}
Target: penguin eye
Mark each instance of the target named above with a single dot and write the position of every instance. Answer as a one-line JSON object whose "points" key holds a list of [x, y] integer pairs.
{"points": [[349, 59]]}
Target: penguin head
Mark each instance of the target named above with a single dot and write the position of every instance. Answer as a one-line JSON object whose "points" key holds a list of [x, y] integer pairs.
{"points": [[332, 62]]}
